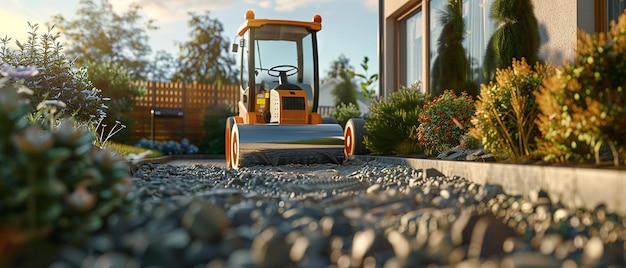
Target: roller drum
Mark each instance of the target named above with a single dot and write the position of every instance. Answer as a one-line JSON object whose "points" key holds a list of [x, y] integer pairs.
{"points": [[279, 144]]}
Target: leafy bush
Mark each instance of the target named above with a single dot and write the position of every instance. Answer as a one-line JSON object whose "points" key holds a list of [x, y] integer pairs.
{"points": [[54, 182], [366, 80], [214, 128], [115, 84], [467, 142], [343, 113], [391, 123], [506, 111], [169, 147], [59, 79], [147, 144], [443, 121], [583, 105]]}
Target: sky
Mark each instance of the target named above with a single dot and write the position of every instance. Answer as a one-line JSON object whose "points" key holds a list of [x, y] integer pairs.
{"points": [[349, 27]]}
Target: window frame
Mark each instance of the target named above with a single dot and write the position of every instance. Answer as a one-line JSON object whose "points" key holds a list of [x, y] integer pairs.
{"points": [[601, 16], [401, 46]]}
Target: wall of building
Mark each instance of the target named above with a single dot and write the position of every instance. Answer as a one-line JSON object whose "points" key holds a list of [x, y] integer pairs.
{"points": [[558, 23], [392, 9]]}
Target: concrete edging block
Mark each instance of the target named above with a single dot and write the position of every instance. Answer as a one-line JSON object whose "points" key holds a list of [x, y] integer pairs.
{"points": [[575, 187]]}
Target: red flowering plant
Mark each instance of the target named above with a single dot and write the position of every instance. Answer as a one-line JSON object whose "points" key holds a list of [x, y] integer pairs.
{"points": [[443, 121]]}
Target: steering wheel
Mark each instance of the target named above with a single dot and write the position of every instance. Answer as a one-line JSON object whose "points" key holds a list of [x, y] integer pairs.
{"points": [[288, 70]]}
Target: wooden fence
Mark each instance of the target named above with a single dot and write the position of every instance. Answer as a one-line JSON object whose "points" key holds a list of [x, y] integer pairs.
{"points": [[172, 111]]}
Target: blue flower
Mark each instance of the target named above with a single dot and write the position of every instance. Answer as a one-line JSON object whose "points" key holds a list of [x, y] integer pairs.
{"points": [[19, 72]]}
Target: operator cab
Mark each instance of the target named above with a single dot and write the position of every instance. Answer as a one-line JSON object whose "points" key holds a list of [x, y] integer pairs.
{"points": [[279, 70]]}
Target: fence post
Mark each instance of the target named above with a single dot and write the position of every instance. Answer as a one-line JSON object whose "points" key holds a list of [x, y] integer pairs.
{"points": [[184, 106], [152, 110]]}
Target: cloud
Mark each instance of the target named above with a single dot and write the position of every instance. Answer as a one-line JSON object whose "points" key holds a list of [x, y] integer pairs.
{"points": [[371, 5], [285, 5], [172, 10]]}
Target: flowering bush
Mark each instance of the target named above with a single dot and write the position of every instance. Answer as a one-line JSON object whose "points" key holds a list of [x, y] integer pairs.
{"points": [[443, 121]]}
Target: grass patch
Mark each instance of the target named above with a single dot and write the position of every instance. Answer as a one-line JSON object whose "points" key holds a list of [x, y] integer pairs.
{"points": [[125, 150]]}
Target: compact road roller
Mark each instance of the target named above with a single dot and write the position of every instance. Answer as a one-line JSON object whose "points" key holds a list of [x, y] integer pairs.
{"points": [[278, 122]]}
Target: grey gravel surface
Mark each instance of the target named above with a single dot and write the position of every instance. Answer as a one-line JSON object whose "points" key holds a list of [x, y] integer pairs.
{"points": [[359, 214]]}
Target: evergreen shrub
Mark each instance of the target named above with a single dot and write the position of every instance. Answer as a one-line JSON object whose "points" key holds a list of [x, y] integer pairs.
{"points": [[392, 122], [583, 104], [506, 111], [343, 112], [214, 128]]}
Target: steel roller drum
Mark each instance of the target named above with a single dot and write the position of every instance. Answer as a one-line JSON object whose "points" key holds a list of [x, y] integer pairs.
{"points": [[276, 144]]}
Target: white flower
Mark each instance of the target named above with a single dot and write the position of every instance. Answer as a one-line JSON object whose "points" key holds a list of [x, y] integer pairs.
{"points": [[19, 72]]}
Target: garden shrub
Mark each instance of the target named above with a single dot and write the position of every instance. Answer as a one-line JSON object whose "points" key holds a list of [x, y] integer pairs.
{"points": [[115, 84], [343, 112], [506, 111], [443, 121], [468, 142], [583, 105], [169, 147], [54, 182], [392, 121], [58, 78], [214, 128], [517, 36]]}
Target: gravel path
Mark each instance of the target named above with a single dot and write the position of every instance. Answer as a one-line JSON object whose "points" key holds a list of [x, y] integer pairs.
{"points": [[353, 215]]}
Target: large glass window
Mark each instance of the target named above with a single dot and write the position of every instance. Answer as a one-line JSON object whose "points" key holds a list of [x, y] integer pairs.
{"points": [[614, 8], [411, 58], [479, 26], [437, 7]]}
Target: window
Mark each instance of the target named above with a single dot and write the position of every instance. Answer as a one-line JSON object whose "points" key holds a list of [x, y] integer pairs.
{"points": [[413, 57], [614, 8], [479, 26], [436, 8], [411, 52], [607, 11]]}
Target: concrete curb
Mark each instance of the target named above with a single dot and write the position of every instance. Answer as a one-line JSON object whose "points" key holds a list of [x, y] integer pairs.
{"points": [[572, 186]]}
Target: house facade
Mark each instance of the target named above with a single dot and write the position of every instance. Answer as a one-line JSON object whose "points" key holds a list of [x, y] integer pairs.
{"points": [[409, 30]]}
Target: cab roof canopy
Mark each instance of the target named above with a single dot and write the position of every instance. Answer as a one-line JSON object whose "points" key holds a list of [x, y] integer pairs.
{"points": [[280, 29]]}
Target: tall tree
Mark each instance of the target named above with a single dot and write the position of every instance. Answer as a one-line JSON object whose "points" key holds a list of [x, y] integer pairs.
{"points": [[161, 67], [114, 83], [451, 67], [517, 37], [100, 34], [345, 90], [204, 58], [337, 66]]}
